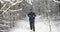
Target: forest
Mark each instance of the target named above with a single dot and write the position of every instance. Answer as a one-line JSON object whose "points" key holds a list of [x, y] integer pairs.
{"points": [[13, 10]]}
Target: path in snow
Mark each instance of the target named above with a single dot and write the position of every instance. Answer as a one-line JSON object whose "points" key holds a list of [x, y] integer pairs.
{"points": [[41, 25]]}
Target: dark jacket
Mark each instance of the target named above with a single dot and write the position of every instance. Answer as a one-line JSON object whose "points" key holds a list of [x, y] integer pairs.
{"points": [[31, 16]]}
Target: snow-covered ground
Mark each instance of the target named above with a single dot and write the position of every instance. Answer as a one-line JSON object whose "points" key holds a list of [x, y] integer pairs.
{"points": [[41, 25]]}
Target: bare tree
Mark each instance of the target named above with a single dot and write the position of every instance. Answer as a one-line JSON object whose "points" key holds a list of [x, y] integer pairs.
{"points": [[50, 30]]}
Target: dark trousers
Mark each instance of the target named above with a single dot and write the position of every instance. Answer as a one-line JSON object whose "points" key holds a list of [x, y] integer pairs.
{"points": [[32, 26]]}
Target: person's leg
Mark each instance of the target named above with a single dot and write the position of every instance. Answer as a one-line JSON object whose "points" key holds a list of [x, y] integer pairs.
{"points": [[30, 25], [33, 27]]}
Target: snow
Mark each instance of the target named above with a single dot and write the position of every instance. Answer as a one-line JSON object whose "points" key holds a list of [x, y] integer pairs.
{"points": [[6, 0], [15, 10], [41, 25], [1, 1], [29, 1], [56, 1]]}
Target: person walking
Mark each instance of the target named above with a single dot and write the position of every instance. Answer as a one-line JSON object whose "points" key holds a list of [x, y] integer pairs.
{"points": [[32, 16]]}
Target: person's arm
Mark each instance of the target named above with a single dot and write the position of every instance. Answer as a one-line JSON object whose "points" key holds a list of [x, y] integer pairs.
{"points": [[34, 14], [28, 14]]}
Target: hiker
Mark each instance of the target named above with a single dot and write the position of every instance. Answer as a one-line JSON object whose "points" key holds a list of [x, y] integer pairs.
{"points": [[32, 16]]}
